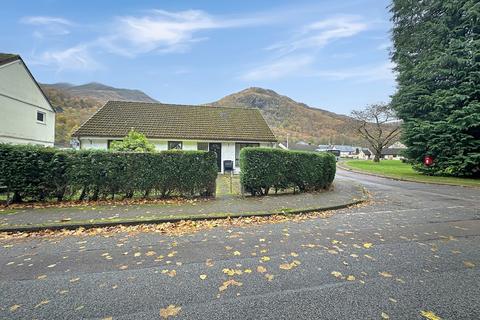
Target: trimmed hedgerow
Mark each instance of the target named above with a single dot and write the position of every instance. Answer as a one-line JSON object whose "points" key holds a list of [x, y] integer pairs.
{"points": [[38, 173], [265, 168]]}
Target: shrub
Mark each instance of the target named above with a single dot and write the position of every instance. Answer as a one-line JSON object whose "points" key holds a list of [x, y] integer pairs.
{"points": [[38, 173], [265, 168]]}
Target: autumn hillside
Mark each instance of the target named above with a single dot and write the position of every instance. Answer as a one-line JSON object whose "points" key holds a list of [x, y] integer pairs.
{"points": [[75, 104], [286, 116]]}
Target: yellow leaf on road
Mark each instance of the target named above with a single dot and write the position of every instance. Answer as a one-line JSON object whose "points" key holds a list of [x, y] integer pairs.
{"points": [[469, 264], [351, 278], [429, 315], [203, 276], [42, 303], [236, 253], [367, 245], [261, 269], [336, 274], [14, 307], [265, 259], [385, 316], [228, 283], [385, 274], [169, 311]]}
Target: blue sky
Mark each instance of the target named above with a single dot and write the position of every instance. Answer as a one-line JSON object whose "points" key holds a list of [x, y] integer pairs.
{"points": [[328, 54]]}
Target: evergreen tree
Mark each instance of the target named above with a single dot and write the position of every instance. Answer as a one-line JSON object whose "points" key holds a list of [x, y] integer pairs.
{"points": [[437, 57]]}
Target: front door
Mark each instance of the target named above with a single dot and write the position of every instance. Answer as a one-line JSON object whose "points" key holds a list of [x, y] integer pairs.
{"points": [[217, 148]]}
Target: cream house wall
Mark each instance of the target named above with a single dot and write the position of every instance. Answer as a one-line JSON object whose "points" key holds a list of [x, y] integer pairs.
{"points": [[228, 147], [20, 100]]}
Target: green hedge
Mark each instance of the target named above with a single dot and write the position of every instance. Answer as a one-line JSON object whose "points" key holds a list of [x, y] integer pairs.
{"points": [[265, 168], [38, 173]]}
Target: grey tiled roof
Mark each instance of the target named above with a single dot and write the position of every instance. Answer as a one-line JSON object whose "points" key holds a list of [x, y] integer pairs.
{"points": [[168, 121]]}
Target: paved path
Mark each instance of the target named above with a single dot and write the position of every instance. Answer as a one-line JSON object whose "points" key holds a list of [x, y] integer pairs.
{"points": [[341, 193], [414, 250]]}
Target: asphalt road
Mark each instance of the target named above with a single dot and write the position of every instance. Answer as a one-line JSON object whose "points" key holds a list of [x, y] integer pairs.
{"points": [[415, 250]]}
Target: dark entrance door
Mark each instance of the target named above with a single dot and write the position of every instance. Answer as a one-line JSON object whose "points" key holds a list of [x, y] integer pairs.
{"points": [[217, 148]]}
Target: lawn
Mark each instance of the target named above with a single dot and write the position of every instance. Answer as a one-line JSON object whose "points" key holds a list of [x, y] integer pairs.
{"points": [[398, 169]]}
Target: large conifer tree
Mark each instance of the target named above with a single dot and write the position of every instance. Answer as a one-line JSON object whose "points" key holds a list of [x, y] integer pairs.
{"points": [[437, 57]]}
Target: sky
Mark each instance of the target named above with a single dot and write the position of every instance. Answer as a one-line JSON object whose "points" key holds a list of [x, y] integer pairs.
{"points": [[332, 55]]}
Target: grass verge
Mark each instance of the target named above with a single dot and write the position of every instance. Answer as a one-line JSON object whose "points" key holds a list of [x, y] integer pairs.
{"points": [[403, 171]]}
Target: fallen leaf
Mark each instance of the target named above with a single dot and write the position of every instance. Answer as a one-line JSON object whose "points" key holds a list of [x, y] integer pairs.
{"points": [[429, 315], [42, 303], [14, 307], [203, 276], [169, 311], [385, 316], [74, 280], [265, 258], [367, 245], [228, 283], [43, 276], [336, 274], [261, 269], [385, 274], [150, 253], [236, 253], [351, 278], [469, 264]]}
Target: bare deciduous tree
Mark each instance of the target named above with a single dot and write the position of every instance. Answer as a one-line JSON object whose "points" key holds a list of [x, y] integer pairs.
{"points": [[378, 125]]}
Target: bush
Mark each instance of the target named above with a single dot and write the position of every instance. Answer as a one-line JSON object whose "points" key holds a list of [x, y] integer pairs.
{"points": [[38, 173], [265, 168]]}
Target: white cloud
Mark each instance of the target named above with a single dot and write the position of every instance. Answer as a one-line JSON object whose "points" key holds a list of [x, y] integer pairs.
{"points": [[165, 31], [321, 33], [74, 58], [48, 26], [286, 66], [362, 74]]}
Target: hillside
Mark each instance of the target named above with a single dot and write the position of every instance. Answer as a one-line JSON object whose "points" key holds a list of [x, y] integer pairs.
{"points": [[299, 121], [101, 92], [75, 104]]}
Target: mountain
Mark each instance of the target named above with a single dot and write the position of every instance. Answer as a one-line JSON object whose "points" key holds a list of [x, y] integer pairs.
{"points": [[75, 104], [297, 120], [101, 92]]}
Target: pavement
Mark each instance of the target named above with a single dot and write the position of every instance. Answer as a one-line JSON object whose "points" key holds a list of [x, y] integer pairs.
{"points": [[226, 204], [413, 253]]}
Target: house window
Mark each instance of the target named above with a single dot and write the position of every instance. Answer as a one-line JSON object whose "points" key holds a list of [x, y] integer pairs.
{"points": [[174, 145], [240, 146], [41, 117], [202, 146]]}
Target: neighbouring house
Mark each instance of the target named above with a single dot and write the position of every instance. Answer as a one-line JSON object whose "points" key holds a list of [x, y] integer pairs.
{"points": [[27, 117], [364, 154], [392, 153], [299, 146], [223, 130]]}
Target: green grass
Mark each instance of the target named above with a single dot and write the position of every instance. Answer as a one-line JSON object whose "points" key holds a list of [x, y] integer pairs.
{"points": [[400, 170]]}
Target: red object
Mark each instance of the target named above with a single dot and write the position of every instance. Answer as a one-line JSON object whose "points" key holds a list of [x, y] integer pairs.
{"points": [[428, 160]]}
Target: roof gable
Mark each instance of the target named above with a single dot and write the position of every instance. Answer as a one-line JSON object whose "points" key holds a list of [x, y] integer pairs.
{"points": [[13, 67], [167, 121]]}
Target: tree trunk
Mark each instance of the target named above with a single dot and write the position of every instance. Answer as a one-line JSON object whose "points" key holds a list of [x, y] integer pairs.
{"points": [[376, 157]]}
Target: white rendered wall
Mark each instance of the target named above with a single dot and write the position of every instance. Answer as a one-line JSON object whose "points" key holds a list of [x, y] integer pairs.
{"points": [[20, 99]]}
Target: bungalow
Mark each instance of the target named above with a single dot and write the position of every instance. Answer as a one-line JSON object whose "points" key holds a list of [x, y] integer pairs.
{"points": [[223, 130], [392, 153], [27, 115]]}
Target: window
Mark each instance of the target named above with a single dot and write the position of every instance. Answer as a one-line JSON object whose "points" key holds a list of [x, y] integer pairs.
{"points": [[202, 146], [41, 117], [240, 146], [174, 145]]}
